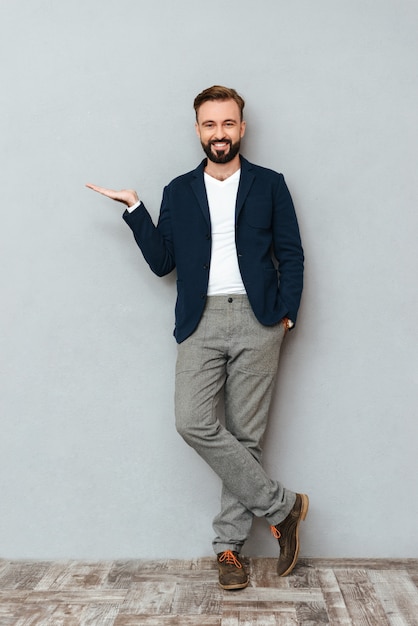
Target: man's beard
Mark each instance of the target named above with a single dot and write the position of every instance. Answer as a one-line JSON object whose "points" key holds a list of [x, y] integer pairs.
{"points": [[221, 156]]}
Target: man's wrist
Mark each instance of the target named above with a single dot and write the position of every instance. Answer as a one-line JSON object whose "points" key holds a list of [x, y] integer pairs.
{"points": [[132, 208]]}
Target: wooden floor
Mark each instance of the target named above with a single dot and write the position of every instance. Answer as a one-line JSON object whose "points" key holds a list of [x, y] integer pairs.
{"points": [[185, 593]]}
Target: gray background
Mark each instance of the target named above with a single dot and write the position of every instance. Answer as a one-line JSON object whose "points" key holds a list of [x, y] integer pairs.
{"points": [[102, 91]]}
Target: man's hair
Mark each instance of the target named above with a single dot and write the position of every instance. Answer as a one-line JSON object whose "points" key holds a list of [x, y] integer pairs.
{"points": [[217, 92]]}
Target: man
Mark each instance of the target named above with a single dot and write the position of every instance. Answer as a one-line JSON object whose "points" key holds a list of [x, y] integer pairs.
{"points": [[230, 230]]}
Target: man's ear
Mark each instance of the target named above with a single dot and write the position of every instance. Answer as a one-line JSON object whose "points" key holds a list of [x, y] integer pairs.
{"points": [[243, 127], [196, 126]]}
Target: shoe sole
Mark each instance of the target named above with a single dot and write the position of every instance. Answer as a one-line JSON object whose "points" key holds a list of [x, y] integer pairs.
{"points": [[236, 586], [303, 514]]}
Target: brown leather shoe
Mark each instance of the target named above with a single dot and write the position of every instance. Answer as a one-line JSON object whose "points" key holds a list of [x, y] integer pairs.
{"points": [[232, 574], [287, 533]]}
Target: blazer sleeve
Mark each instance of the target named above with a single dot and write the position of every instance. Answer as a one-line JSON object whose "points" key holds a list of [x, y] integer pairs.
{"points": [[287, 248], [155, 242]]}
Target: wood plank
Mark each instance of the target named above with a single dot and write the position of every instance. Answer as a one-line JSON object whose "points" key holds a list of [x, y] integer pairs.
{"points": [[190, 577], [334, 601], [153, 598], [22, 574], [359, 564], [74, 575], [8, 619], [197, 599], [13, 595], [126, 574], [166, 620], [360, 598], [230, 618], [312, 613], [272, 596], [99, 614], [398, 595], [285, 619], [77, 596], [411, 566], [26, 614], [123, 574], [253, 618], [3, 566], [304, 576]]}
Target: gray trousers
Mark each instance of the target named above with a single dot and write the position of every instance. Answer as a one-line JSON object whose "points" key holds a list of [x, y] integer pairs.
{"points": [[231, 351]]}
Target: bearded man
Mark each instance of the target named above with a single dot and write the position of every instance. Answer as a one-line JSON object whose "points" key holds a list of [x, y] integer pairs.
{"points": [[230, 230]]}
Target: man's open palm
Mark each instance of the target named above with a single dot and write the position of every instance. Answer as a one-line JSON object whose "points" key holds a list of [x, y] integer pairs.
{"points": [[126, 196]]}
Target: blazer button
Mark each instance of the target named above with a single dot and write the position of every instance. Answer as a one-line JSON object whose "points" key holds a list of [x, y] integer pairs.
{"points": [[208, 236], [206, 266]]}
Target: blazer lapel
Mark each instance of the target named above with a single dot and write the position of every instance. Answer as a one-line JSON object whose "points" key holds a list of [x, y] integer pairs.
{"points": [[198, 185], [245, 183], [199, 189]]}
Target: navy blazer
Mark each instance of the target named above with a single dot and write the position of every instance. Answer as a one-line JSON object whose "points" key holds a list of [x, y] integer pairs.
{"points": [[269, 249]]}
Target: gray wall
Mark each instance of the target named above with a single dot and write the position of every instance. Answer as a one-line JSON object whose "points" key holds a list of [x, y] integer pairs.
{"points": [[102, 91]]}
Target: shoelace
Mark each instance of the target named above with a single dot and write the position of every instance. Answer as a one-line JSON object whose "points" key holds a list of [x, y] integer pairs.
{"points": [[230, 559], [275, 532]]}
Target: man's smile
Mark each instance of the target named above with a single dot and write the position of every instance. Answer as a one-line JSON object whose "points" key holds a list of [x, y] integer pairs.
{"points": [[220, 145]]}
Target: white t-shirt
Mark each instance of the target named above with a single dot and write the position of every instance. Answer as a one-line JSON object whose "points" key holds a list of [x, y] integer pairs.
{"points": [[224, 275]]}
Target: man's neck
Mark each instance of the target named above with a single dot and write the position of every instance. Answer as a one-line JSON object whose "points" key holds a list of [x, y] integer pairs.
{"points": [[222, 171]]}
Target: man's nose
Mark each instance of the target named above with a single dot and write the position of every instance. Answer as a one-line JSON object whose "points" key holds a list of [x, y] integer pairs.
{"points": [[219, 132]]}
